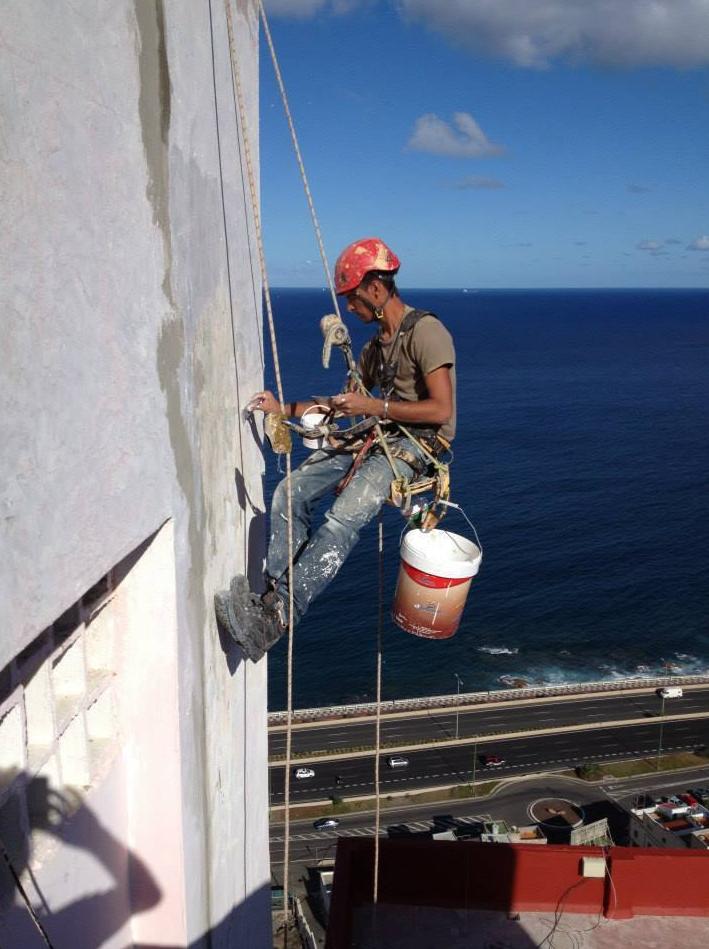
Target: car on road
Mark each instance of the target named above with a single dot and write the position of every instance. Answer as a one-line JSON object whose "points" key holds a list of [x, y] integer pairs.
{"points": [[397, 761], [301, 773], [491, 761], [326, 823]]}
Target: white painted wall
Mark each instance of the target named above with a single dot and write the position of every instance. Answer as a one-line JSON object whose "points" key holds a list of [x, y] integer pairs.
{"points": [[124, 258]]}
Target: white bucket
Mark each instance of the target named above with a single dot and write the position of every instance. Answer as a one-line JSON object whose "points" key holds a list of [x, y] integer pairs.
{"points": [[313, 416], [434, 578]]}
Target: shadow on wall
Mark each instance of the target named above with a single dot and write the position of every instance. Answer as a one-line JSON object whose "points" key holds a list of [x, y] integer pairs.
{"points": [[254, 564], [90, 921], [33, 806]]}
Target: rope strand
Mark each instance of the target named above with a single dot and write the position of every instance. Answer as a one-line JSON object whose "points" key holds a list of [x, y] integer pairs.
{"points": [[377, 742], [298, 156], [239, 98], [23, 893]]}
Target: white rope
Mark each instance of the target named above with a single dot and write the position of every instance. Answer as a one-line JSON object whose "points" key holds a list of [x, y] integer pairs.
{"points": [[377, 742], [380, 435], [239, 97], [299, 157]]}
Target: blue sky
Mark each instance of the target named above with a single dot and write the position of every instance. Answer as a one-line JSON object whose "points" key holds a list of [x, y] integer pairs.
{"points": [[515, 143]]}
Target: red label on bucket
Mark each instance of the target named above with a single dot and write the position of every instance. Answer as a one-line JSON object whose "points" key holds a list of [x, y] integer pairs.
{"points": [[429, 580]]}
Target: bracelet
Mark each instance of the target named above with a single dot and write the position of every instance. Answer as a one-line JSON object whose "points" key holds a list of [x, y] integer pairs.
{"points": [[385, 415]]}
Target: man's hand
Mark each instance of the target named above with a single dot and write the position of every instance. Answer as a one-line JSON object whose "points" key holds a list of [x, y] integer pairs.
{"points": [[354, 403], [264, 402]]}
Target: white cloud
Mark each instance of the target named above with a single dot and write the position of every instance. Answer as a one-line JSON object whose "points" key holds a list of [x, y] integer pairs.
{"points": [[474, 182], [652, 246], [466, 140], [534, 33], [699, 243]]}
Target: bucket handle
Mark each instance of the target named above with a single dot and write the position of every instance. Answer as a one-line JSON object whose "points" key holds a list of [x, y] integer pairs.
{"points": [[458, 508], [316, 405], [472, 526]]}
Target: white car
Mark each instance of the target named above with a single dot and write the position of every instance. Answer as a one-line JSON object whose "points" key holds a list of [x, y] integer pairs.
{"points": [[301, 773], [398, 761]]}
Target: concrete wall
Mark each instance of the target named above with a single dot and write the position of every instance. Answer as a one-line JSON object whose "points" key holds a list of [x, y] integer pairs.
{"points": [[514, 878], [130, 344]]}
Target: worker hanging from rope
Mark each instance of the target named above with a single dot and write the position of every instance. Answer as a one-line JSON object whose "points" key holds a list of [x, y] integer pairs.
{"points": [[411, 361]]}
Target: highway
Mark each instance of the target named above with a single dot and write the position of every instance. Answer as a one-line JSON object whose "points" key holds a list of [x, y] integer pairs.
{"points": [[442, 766], [437, 725], [511, 804]]}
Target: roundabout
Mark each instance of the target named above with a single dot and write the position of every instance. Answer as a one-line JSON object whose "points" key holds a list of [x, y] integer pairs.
{"points": [[556, 813]]}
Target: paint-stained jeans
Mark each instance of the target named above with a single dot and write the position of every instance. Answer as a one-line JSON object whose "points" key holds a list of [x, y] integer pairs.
{"points": [[318, 556]]}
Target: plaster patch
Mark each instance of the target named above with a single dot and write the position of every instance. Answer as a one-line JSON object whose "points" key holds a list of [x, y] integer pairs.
{"points": [[154, 105]]}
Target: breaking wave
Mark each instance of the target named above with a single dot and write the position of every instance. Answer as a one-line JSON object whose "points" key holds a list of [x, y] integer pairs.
{"points": [[499, 650]]}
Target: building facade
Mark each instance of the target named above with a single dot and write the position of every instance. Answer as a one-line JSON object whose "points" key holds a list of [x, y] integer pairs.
{"points": [[133, 757]]}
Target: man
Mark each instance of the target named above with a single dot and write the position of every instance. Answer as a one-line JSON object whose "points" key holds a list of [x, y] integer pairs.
{"points": [[411, 360]]}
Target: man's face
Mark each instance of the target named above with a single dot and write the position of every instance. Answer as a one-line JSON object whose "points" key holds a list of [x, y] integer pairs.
{"points": [[358, 298]]}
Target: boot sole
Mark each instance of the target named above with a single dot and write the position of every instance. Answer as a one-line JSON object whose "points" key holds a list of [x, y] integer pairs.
{"points": [[229, 618]]}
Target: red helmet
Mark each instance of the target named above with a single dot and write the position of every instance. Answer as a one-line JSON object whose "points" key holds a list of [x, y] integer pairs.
{"points": [[369, 253]]}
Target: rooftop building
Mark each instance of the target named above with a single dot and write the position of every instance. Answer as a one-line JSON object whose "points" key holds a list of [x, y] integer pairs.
{"points": [[670, 825], [439, 893]]}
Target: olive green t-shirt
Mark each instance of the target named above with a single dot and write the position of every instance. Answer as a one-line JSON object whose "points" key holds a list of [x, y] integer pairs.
{"points": [[426, 346]]}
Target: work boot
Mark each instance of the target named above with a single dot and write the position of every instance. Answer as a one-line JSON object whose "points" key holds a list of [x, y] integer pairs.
{"points": [[251, 623]]}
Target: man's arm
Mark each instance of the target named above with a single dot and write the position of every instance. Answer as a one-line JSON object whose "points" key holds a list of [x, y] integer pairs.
{"points": [[435, 409], [267, 402]]}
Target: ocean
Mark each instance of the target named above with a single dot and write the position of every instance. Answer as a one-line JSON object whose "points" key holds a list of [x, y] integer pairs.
{"points": [[582, 458]]}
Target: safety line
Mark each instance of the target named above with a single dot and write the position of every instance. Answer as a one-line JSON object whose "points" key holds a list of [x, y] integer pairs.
{"points": [[23, 893], [378, 429], [227, 251], [380, 627], [239, 98], [299, 157]]}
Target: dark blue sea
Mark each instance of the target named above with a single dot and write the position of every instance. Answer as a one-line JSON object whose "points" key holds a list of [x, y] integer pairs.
{"points": [[582, 457]]}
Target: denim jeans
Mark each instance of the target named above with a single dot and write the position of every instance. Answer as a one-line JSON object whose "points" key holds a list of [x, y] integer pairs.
{"points": [[318, 556]]}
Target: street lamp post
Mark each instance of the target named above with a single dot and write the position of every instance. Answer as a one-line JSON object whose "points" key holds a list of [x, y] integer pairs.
{"points": [[459, 682], [475, 761], [659, 745]]}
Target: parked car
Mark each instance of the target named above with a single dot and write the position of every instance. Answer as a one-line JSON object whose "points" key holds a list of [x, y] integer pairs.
{"points": [[326, 823], [701, 794], [301, 773], [491, 761], [670, 799], [397, 761], [689, 799]]}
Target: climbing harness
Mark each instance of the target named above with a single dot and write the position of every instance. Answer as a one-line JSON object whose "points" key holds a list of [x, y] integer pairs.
{"points": [[429, 476]]}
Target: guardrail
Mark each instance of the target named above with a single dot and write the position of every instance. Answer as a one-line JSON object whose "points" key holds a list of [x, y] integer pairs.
{"points": [[365, 709]]}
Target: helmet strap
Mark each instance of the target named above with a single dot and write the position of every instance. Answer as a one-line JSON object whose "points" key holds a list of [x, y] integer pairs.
{"points": [[379, 310], [376, 311]]}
